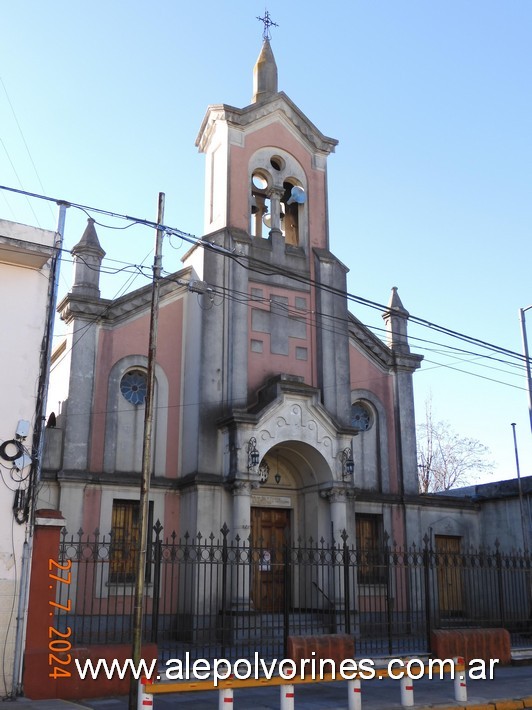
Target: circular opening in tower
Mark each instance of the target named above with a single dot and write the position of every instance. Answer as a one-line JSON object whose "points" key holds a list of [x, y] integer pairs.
{"points": [[259, 181]]}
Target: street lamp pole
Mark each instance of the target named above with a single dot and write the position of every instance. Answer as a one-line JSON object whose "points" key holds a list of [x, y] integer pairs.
{"points": [[527, 360], [524, 522]]}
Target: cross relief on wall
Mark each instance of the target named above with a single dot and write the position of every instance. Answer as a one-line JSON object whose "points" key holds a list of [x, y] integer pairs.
{"points": [[280, 323]]}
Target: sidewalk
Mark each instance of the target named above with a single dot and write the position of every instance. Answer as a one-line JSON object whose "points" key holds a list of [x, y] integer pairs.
{"points": [[509, 690]]}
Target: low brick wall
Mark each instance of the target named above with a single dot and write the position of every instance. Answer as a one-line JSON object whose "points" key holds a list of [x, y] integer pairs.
{"points": [[472, 643], [39, 686], [337, 647]]}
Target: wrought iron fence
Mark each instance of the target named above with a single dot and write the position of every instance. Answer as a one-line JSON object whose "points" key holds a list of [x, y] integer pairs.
{"points": [[220, 596]]}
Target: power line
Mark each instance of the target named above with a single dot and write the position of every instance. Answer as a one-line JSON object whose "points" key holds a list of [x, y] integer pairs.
{"points": [[256, 265], [23, 139]]}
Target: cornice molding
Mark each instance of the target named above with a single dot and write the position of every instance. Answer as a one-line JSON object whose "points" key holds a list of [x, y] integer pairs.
{"points": [[110, 311], [278, 104]]}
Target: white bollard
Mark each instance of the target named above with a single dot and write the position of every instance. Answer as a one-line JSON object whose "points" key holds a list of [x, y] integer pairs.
{"points": [[144, 697], [407, 692], [225, 699], [354, 694], [460, 685], [287, 697]]}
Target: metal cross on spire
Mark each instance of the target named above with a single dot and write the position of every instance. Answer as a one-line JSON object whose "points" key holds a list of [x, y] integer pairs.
{"points": [[268, 22]]}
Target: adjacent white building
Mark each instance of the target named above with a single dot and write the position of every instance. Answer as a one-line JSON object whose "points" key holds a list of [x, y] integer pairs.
{"points": [[25, 258]]}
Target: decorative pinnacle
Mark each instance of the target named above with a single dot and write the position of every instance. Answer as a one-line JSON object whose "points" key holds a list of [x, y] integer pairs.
{"points": [[268, 22]]}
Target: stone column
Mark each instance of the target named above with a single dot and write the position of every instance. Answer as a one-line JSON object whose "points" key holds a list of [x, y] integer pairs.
{"points": [[275, 195], [337, 498], [241, 510], [240, 597], [405, 363]]}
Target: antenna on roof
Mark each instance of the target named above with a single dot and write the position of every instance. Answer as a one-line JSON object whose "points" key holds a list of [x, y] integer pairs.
{"points": [[267, 20]]}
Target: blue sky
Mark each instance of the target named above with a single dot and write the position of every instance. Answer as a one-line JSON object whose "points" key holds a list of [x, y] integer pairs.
{"points": [[429, 188]]}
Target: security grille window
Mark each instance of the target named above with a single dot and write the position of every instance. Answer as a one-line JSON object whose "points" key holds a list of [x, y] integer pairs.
{"points": [[125, 525], [371, 555]]}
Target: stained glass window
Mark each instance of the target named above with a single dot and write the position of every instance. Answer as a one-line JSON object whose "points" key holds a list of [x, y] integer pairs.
{"points": [[133, 386], [360, 417]]}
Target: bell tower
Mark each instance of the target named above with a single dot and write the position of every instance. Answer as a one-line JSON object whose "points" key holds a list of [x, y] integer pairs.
{"points": [[266, 215]]}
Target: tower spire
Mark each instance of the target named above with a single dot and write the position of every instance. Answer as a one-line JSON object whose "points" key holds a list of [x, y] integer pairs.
{"points": [[265, 69], [88, 256], [396, 318]]}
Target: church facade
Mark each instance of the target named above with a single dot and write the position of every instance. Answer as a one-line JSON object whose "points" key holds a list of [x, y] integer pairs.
{"points": [[273, 402], [278, 414]]}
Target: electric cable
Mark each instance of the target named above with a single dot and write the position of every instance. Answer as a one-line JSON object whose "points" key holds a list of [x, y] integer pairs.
{"points": [[23, 138], [9, 443], [264, 268]]}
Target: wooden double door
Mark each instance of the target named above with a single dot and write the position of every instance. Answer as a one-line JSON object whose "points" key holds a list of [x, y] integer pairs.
{"points": [[270, 528]]}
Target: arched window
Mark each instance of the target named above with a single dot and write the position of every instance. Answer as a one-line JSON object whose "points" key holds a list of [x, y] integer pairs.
{"points": [[124, 422]]}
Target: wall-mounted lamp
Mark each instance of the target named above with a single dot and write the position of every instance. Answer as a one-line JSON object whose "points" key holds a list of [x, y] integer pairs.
{"points": [[348, 465], [253, 454]]}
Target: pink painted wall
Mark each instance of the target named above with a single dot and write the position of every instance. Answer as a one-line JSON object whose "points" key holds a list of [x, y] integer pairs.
{"points": [[366, 375], [265, 364], [131, 338], [276, 135], [92, 498]]}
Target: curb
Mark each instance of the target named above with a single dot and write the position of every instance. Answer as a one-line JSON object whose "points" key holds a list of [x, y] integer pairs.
{"points": [[509, 704]]}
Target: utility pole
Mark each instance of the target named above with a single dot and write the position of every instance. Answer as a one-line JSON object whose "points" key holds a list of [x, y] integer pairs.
{"points": [[527, 360], [146, 456]]}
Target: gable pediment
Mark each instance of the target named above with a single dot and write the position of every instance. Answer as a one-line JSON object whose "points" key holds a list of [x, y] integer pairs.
{"points": [[288, 411], [362, 338], [279, 107]]}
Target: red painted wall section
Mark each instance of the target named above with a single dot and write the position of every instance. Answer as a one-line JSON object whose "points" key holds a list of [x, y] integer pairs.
{"points": [[367, 375], [40, 681], [36, 677], [131, 338], [74, 688], [171, 514], [398, 533], [92, 498]]}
